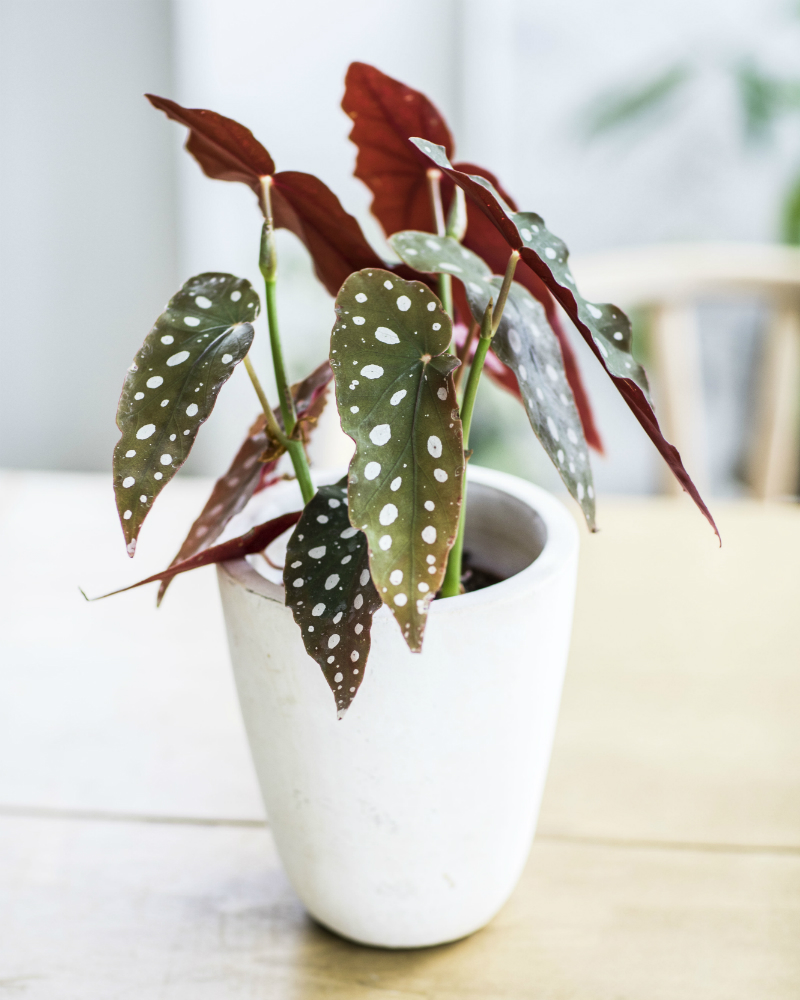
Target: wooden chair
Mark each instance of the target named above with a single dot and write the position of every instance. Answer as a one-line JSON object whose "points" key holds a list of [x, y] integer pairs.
{"points": [[669, 280]]}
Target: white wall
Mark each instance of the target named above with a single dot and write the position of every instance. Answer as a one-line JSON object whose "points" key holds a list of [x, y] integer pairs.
{"points": [[87, 220], [88, 215]]}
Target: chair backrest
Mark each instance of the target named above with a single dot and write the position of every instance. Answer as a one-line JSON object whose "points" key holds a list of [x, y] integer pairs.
{"points": [[670, 280]]}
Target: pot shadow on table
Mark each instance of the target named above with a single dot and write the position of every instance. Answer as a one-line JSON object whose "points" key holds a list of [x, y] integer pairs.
{"points": [[591, 922]]}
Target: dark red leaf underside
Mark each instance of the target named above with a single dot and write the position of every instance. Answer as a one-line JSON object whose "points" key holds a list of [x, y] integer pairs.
{"points": [[304, 205], [255, 540], [246, 474], [301, 203], [225, 150], [385, 113], [633, 393]]}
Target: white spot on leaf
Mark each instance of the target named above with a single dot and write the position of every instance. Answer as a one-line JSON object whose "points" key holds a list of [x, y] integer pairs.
{"points": [[385, 542], [371, 471], [429, 534], [404, 303], [177, 359], [388, 514], [440, 475], [434, 446], [332, 580], [154, 382], [371, 371], [145, 432], [386, 336], [380, 434]]}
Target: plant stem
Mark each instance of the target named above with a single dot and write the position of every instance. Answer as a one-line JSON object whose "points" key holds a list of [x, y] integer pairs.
{"points": [[272, 424], [445, 280], [459, 374], [435, 188], [508, 277], [451, 586], [268, 264], [293, 447]]}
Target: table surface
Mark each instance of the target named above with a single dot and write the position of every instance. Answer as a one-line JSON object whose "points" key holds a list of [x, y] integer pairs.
{"points": [[134, 857]]}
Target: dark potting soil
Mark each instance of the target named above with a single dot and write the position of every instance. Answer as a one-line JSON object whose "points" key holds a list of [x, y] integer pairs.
{"points": [[473, 577]]}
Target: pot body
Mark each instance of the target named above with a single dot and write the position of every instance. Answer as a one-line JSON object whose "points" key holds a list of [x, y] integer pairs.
{"points": [[408, 822]]}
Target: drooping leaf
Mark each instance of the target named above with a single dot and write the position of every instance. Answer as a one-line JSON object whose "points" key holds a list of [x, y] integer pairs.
{"points": [[525, 343], [605, 328], [385, 114], [248, 470], [483, 239], [301, 203], [396, 399], [330, 591], [225, 150], [254, 540], [304, 205], [172, 385]]}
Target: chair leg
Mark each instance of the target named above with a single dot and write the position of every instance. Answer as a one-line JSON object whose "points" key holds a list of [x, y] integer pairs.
{"points": [[679, 389], [775, 452]]}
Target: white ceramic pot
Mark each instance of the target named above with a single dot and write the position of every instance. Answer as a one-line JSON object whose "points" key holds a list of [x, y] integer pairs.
{"points": [[408, 823]]}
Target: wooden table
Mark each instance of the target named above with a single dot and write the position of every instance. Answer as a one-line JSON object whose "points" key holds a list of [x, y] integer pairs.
{"points": [[135, 863]]}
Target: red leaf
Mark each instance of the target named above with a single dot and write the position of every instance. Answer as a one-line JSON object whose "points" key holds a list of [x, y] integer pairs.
{"points": [[225, 150], [301, 203], [246, 474], [255, 540], [385, 113], [628, 389], [307, 207]]}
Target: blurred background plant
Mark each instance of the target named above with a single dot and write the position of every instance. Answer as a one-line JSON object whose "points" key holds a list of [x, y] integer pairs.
{"points": [[767, 102]]}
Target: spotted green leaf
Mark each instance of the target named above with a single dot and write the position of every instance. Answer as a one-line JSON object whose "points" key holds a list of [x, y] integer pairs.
{"points": [[604, 327], [396, 399], [526, 343], [172, 385], [330, 591]]}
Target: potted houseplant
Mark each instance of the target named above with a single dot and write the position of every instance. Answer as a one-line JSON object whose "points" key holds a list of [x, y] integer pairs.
{"points": [[401, 742]]}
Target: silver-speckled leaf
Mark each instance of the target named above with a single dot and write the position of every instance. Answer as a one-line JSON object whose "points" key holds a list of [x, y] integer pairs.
{"points": [[527, 344], [330, 591], [609, 326], [172, 386], [396, 399], [441, 255]]}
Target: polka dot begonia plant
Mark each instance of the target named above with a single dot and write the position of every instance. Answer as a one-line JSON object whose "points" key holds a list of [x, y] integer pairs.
{"points": [[479, 286]]}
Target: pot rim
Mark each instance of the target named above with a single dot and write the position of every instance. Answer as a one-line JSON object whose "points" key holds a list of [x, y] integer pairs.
{"points": [[561, 543]]}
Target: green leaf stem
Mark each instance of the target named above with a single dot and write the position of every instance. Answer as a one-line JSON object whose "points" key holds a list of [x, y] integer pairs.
{"points": [[526, 343], [396, 398], [172, 386], [330, 591]]}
